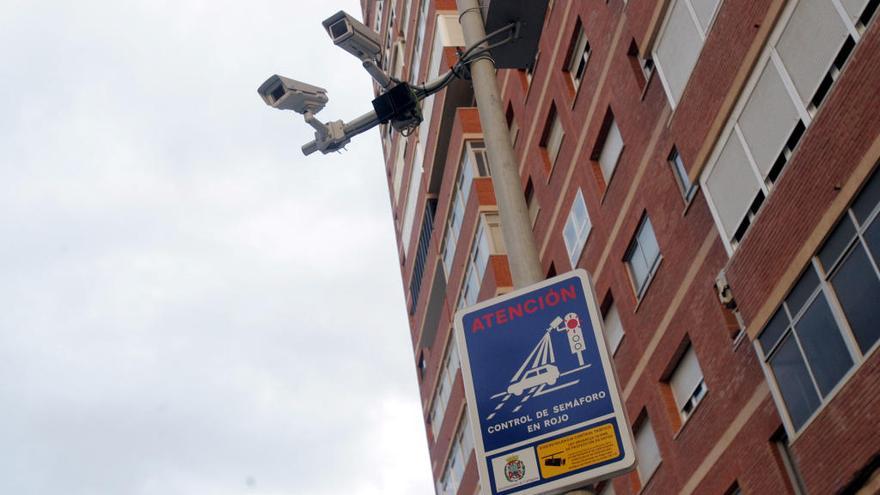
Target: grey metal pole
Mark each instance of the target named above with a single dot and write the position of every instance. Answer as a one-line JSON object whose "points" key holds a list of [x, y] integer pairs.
{"points": [[522, 252]]}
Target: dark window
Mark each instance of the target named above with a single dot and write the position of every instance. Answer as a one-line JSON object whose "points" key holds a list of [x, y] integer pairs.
{"points": [[828, 322]]}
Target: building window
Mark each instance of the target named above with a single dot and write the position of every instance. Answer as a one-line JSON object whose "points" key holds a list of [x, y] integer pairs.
{"points": [[789, 464], [647, 450], [642, 67], [532, 202], [474, 163], [551, 140], [608, 489], [409, 210], [512, 125], [486, 243], [613, 327], [804, 56], [530, 70], [422, 253], [577, 228], [685, 185], [609, 148], [422, 22], [397, 59], [423, 365], [643, 256], [827, 324], [578, 56], [459, 453], [451, 364], [687, 384], [399, 165], [377, 19], [680, 41]]}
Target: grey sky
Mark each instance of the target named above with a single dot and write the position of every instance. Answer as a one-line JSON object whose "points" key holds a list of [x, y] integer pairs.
{"points": [[190, 305]]}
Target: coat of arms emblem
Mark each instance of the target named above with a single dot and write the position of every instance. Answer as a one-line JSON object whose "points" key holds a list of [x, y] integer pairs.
{"points": [[515, 469]]}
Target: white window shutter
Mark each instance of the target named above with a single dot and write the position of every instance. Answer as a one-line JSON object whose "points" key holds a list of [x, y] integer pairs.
{"points": [[811, 40], [613, 328], [768, 119], [678, 49], [732, 185], [854, 8], [611, 150], [648, 452], [685, 378]]}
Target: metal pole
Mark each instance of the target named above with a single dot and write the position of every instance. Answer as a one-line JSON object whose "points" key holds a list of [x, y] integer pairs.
{"points": [[522, 252]]}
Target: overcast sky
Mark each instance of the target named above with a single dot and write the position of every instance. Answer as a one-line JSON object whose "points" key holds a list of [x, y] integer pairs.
{"points": [[189, 305]]}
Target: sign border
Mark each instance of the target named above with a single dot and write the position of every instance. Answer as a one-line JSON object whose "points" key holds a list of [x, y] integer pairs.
{"points": [[565, 482]]}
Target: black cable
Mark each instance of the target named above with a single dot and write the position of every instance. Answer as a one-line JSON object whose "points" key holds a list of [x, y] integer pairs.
{"points": [[489, 36]]}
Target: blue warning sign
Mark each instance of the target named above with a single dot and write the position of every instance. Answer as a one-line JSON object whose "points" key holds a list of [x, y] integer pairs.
{"points": [[546, 402]]}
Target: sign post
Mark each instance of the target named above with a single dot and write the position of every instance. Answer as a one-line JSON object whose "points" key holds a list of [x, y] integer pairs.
{"points": [[545, 404]]}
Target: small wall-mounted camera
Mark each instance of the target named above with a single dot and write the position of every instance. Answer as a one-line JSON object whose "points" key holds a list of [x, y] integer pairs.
{"points": [[288, 94], [353, 36]]}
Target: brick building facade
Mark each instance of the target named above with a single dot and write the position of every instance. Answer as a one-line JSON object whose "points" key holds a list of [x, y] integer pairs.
{"points": [[713, 165]]}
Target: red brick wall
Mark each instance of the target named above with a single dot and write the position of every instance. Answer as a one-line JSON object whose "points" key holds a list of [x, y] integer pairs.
{"points": [[843, 437]]}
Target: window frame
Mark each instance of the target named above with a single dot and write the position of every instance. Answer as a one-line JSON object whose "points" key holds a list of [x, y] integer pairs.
{"points": [[580, 51], [679, 171], [696, 396], [468, 169], [640, 290], [552, 148], [612, 306], [824, 288], [484, 239], [443, 388], [642, 423], [582, 229], [732, 129], [703, 33]]}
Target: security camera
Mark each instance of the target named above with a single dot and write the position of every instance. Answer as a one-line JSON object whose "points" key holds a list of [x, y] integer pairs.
{"points": [[287, 94], [353, 36]]}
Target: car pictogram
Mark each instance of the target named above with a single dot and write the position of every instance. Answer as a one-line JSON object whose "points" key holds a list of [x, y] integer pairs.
{"points": [[547, 374]]}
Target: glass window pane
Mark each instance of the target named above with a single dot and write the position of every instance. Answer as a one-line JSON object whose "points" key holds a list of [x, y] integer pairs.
{"points": [[794, 383], [858, 290], [773, 330], [802, 291], [837, 242], [681, 173], [467, 177], [457, 466], [868, 198], [648, 242], [569, 233], [639, 268], [823, 345], [872, 238]]}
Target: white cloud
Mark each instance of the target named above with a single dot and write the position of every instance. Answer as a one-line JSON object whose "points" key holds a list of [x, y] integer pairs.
{"points": [[191, 306]]}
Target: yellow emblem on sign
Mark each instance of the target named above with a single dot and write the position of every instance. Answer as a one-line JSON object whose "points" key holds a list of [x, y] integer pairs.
{"points": [[577, 451]]}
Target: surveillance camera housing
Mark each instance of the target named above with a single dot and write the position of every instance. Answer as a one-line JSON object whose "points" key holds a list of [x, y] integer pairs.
{"points": [[287, 94], [353, 36]]}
